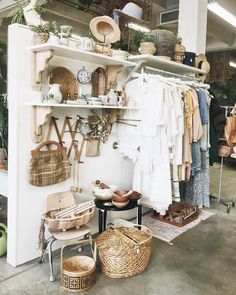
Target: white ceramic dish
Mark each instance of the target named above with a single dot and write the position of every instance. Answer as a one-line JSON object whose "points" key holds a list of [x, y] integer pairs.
{"points": [[103, 194], [120, 54]]}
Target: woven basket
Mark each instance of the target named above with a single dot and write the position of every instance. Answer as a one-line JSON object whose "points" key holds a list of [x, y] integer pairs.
{"points": [[57, 224], [67, 81], [98, 80], [78, 272], [40, 38], [124, 251], [165, 42]]}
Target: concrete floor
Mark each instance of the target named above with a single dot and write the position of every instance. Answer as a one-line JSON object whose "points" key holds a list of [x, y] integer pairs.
{"points": [[201, 261]]}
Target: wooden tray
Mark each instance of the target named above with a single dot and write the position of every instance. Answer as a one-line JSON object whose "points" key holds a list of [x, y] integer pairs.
{"points": [[178, 214]]}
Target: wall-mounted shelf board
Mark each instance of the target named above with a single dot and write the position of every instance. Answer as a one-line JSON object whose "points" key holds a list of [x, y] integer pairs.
{"points": [[164, 65], [82, 55], [65, 105]]}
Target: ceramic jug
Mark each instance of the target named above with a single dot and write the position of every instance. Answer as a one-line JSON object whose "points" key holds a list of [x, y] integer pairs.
{"points": [[54, 94], [3, 239]]}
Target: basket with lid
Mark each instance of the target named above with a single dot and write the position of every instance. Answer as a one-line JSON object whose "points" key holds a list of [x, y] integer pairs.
{"points": [[124, 251]]}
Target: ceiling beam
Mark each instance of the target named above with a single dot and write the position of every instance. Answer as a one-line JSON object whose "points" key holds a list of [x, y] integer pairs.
{"points": [[220, 33]]}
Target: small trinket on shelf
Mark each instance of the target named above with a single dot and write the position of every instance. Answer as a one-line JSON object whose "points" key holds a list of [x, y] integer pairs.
{"points": [[112, 97]]}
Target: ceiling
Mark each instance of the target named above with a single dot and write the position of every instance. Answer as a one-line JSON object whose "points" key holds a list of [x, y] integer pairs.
{"points": [[220, 34]]}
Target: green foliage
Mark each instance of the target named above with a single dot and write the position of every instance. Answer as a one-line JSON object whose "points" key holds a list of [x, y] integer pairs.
{"points": [[54, 28], [17, 14], [41, 29], [225, 92], [3, 97], [120, 45]]}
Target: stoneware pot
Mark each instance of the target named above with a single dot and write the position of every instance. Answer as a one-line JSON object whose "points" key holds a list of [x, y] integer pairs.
{"points": [[3, 239], [179, 53], [147, 48], [40, 38], [65, 32]]}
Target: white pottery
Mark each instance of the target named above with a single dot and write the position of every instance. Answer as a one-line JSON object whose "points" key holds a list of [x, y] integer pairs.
{"points": [[54, 93], [85, 43], [112, 97], [103, 194], [120, 54], [54, 40]]}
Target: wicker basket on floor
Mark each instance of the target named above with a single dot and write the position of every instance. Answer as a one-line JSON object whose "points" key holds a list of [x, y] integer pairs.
{"points": [[57, 224], [124, 251]]}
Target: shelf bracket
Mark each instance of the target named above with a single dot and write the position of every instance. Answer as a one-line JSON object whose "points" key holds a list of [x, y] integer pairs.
{"points": [[40, 62], [39, 118]]}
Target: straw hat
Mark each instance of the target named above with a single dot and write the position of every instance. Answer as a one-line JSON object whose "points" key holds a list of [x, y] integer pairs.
{"points": [[202, 64], [105, 29], [133, 10]]}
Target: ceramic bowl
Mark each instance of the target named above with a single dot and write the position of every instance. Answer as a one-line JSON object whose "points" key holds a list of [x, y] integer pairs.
{"points": [[135, 196], [122, 193], [103, 194], [120, 205], [120, 199]]}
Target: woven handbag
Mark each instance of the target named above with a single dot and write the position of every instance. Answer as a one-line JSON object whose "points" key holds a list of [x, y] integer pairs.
{"points": [[50, 166]]}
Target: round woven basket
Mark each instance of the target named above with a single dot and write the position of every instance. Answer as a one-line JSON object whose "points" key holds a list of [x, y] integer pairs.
{"points": [[78, 272], [67, 80], [165, 42], [40, 38], [124, 251]]}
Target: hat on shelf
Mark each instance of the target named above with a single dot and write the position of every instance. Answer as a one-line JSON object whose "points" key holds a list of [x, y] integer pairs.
{"points": [[133, 10], [202, 64], [105, 29]]}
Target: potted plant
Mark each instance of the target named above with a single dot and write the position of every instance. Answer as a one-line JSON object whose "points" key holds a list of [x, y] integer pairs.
{"points": [[41, 34], [179, 51], [120, 50], [55, 32], [147, 45]]}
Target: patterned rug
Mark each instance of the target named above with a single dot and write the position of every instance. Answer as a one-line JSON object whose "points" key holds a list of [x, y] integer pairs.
{"points": [[162, 230]]}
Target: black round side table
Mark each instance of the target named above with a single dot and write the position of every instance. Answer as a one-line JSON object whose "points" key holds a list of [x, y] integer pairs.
{"points": [[102, 212]]}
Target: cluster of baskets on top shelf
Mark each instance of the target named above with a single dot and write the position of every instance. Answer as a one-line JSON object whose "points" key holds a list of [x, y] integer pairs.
{"points": [[118, 198], [71, 217]]}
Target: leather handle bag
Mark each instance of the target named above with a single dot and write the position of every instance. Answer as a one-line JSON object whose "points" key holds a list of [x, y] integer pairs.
{"points": [[48, 167]]}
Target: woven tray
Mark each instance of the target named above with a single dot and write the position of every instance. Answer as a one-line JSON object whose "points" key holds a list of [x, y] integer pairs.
{"points": [[67, 223], [67, 80]]}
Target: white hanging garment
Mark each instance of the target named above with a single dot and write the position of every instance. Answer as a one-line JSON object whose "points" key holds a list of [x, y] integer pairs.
{"points": [[152, 169]]}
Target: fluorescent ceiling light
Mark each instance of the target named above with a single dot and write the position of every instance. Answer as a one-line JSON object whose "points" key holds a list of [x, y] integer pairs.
{"points": [[232, 64], [137, 27], [223, 13]]}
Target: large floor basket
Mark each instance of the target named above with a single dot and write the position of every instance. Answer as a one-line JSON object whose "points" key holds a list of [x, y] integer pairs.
{"points": [[124, 251]]}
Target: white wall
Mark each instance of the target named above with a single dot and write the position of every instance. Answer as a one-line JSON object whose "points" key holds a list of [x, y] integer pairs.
{"points": [[25, 202]]}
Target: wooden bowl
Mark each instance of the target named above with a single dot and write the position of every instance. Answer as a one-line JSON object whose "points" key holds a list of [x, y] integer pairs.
{"points": [[120, 205], [135, 196], [120, 199]]}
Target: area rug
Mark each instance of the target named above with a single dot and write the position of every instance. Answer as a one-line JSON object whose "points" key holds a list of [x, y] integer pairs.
{"points": [[164, 231]]}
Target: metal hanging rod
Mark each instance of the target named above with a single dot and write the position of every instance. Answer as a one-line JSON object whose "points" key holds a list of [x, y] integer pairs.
{"points": [[150, 69]]}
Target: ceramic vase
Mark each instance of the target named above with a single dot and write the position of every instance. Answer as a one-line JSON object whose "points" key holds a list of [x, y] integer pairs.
{"points": [[54, 94], [65, 34], [179, 53], [147, 48]]}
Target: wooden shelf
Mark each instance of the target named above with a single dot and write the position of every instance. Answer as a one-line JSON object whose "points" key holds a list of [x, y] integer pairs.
{"points": [[164, 65], [65, 105], [78, 54]]}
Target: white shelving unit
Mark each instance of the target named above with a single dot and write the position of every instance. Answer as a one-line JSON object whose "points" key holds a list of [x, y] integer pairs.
{"points": [[164, 65], [86, 56], [65, 105]]}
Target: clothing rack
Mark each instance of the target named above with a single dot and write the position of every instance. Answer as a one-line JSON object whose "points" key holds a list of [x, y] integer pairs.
{"points": [[221, 201]]}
